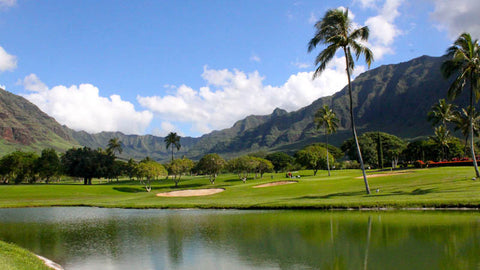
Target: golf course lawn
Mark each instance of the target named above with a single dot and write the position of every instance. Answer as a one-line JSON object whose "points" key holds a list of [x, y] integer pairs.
{"points": [[13, 257], [433, 187]]}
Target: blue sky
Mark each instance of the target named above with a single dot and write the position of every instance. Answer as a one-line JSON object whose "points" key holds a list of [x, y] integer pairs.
{"points": [[151, 67]]}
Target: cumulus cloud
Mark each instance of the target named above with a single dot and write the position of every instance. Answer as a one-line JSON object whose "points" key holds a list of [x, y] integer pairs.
{"points": [[457, 17], [165, 128], [82, 108], [382, 28], [232, 95], [7, 61]]}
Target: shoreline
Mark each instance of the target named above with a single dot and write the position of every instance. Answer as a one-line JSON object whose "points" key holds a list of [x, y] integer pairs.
{"points": [[273, 208], [49, 263]]}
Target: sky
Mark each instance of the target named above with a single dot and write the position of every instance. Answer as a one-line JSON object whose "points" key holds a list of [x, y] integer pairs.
{"points": [[194, 66]]}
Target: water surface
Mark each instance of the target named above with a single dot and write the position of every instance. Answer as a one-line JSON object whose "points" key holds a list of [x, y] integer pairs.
{"points": [[96, 238]]}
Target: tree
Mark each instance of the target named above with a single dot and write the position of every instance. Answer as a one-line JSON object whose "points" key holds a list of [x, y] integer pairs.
{"points": [[371, 143], [48, 164], [19, 166], [336, 31], [441, 139], [172, 140], [280, 160], [114, 145], [313, 157], [82, 162], [178, 167], [262, 165], [326, 117], [442, 112], [211, 165], [461, 120], [464, 65], [149, 170]]}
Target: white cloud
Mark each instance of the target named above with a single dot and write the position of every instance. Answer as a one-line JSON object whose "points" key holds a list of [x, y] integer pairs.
{"points": [[383, 31], [301, 65], [255, 58], [3, 87], [457, 17], [165, 128], [82, 108], [7, 61], [7, 3], [232, 95]]}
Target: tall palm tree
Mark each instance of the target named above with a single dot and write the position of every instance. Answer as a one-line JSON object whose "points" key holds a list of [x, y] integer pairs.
{"points": [[461, 120], [442, 112], [335, 30], [326, 117], [464, 65], [172, 140], [114, 145]]}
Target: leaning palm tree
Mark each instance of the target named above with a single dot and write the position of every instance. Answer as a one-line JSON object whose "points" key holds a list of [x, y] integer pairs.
{"points": [[461, 120], [326, 117], [335, 30], [442, 112], [464, 65], [172, 139]]}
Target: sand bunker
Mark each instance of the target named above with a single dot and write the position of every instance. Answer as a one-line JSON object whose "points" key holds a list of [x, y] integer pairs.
{"points": [[191, 192], [381, 174], [275, 184]]}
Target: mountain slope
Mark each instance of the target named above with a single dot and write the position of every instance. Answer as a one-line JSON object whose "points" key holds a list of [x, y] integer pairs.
{"points": [[391, 98], [24, 126]]}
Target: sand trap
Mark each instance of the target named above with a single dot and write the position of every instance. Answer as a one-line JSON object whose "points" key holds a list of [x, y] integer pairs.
{"points": [[191, 192], [381, 174], [275, 184]]}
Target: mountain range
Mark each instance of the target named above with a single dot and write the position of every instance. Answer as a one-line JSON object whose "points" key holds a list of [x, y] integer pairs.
{"points": [[391, 98]]}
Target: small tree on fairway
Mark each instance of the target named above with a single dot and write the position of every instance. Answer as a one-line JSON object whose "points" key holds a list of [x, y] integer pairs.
{"points": [[178, 167], [313, 157], [211, 165], [326, 117], [336, 31], [48, 164]]}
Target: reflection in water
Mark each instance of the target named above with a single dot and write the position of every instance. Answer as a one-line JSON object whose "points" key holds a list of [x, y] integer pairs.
{"points": [[92, 238]]}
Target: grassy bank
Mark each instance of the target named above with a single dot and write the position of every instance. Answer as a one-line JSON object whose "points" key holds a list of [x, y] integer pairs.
{"points": [[433, 187], [13, 257]]}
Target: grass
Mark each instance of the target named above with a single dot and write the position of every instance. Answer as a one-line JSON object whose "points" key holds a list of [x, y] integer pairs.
{"points": [[13, 257], [433, 187]]}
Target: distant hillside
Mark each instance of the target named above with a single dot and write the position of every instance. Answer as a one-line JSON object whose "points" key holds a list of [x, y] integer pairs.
{"points": [[392, 98], [134, 146], [24, 126]]}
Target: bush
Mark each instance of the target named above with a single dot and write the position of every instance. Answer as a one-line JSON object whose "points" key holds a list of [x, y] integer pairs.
{"points": [[419, 164]]}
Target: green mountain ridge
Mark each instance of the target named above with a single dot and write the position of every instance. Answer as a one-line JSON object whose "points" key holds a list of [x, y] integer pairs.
{"points": [[391, 98]]}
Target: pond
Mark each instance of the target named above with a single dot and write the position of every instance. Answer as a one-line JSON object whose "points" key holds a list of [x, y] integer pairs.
{"points": [[98, 238]]}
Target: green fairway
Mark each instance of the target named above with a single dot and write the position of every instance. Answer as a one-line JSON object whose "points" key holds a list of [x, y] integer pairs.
{"points": [[13, 257], [433, 187]]}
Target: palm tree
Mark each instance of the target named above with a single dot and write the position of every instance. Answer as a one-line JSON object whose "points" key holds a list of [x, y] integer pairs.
{"points": [[172, 139], [441, 138], [442, 112], [461, 119], [335, 30], [326, 117], [464, 65], [114, 145]]}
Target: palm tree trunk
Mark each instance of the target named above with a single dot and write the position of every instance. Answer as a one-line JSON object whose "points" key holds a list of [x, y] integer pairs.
{"points": [[474, 159], [354, 131], [326, 147]]}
